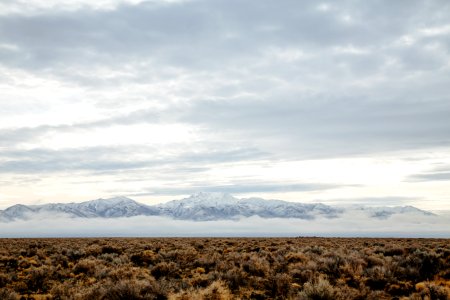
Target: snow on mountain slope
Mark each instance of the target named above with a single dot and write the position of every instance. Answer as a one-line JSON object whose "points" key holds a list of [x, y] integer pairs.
{"points": [[384, 212], [15, 211], [114, 207], [201, 207], [214, 206], [105, 208]]}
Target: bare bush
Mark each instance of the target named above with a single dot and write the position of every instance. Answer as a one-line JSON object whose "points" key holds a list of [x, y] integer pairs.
{"points": [[7, 294], [319, 289], [224, 268]]}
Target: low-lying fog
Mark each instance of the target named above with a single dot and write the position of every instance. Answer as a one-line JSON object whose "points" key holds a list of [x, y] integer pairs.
{"points": [[347, 225]]}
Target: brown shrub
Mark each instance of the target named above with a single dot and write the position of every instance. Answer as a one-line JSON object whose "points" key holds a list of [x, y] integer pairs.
{"points": [[4, 280], [235, 278], [144, 258], [392, 251], [296, 257], [331, 266], [94, 250], [86, 266], [9, 263], [165, 269], [216, 291], [7, 294], [38, 279], [377, 278], [319, 289], [20, 287], [132, 290], [256, 266], [85, 269], [280, 285], [109, 249], [432, 291]]}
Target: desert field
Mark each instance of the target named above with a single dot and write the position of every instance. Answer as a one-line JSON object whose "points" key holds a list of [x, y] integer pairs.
{"points": [[224, 268]]}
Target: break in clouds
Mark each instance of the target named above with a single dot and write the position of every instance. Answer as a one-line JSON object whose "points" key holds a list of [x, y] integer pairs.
{"points": [[298, 100]]}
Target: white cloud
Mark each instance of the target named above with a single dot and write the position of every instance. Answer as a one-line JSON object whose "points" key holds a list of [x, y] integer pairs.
{"points": [[42, 6], [436, 31], [143, 135], [324, 7], [355, 224]]}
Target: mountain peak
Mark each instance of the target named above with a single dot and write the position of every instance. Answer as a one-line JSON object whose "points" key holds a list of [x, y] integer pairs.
{"points": [[201, 199], [113, 200], [200, 207], [209, 199]]}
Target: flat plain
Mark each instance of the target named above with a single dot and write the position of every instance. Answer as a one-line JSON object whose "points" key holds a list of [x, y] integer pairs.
{"points": [[224, 268]]}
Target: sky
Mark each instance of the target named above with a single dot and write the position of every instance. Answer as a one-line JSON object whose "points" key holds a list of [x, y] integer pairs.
{"points": [[303, 101]]}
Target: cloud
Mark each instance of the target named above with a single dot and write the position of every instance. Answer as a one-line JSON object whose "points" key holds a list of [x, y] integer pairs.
{"points": [[441, 176], [202, 34], [12, 136], [110, 159], [438, 173], [329, 127], [351, 94], [201, 92], [238, 188], [356, 224], [374, 201], [37, 7]]}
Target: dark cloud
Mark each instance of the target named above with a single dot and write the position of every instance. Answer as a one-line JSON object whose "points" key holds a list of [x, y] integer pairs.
{"points": [[441, 172], [204, 34], [439, 176]]}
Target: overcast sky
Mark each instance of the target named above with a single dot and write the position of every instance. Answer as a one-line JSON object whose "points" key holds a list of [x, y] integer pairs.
{"points": [[337, 102]]}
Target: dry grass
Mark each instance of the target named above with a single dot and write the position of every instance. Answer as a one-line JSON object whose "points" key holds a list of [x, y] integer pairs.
{"points": [[224, 268]]}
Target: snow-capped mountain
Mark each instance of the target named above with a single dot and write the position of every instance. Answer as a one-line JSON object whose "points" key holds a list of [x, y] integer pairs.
{"points": [[17, 211], [212, 206], [104, 208], [198, 207], [384, 212], [202, 206]]}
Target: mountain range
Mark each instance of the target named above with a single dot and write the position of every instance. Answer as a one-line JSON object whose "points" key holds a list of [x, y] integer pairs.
{"points": [[198, 207]]}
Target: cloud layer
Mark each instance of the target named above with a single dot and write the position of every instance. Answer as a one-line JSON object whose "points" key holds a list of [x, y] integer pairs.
{"points": [[297, 100], [354, 224]]}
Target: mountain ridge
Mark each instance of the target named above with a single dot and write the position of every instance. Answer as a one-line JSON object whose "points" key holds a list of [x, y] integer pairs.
{"points": [[197, 207]]}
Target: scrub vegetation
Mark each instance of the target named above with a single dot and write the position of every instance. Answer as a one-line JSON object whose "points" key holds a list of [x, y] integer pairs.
{"points": [[224, 268]]}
